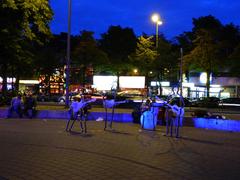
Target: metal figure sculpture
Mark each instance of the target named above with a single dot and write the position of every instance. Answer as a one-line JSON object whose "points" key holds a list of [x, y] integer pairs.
{"points": [[174, 115], [109, 102], [79, 111]]}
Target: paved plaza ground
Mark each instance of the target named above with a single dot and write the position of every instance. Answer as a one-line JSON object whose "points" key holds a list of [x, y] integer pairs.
{"points": [[42, 149]]}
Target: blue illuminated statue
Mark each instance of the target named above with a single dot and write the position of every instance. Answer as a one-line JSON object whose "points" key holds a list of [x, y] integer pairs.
{"points": [[149, 115]]}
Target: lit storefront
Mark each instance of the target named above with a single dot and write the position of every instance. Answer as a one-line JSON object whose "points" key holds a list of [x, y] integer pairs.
{"points": [[10, 83], [222, 87], [53, 84], [28, 85]]}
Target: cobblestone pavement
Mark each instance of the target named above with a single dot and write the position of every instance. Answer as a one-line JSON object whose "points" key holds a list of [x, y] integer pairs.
{"points": [[41, 149]]}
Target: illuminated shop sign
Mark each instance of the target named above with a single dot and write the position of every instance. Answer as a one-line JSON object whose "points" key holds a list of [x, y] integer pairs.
{"points": [[163, 83], [132, 81], [203, 78], [110, 82], [104, 82]]}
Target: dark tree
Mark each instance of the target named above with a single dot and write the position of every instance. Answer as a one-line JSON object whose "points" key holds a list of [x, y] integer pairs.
{"points": [[144, 57], [234, 62], [205, 53], [21, 23], [118, 43], [86, 54]]}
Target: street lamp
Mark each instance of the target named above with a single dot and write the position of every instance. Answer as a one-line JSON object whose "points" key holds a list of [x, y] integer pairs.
{"points": [[68, 52], [135, 71], [156, 19]]}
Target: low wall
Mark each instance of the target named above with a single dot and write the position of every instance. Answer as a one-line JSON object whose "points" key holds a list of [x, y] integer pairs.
{"points": [[59, 114]]}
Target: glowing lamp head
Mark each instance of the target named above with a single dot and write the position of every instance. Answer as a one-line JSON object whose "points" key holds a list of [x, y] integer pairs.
{"points": [[159, 22], [155, 18]]}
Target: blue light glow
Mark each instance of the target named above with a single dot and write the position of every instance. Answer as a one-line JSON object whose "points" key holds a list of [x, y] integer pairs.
{"points": [[217, 124]]}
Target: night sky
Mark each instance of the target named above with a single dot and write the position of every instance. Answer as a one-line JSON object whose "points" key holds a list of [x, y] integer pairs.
{"points": [[98, 15]]}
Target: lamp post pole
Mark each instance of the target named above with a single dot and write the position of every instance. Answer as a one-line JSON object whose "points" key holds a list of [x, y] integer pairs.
{"points": [[156, 19], [181, 71], [181, 101], [68, 52], [156, 35]]}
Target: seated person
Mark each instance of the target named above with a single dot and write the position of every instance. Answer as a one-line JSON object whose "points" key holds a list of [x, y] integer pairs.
{"points": [[30, 106], [16, 105]]}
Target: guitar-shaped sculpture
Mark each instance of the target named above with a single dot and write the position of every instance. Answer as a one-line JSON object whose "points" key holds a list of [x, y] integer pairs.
{"points": [[178, 111]]}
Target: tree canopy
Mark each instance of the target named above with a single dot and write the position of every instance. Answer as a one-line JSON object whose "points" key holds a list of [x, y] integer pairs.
{"points": [[22, 23], [118, 43], [26, 43], [212, 43]]}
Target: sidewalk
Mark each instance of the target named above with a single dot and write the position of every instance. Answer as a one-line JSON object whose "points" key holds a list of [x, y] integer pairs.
{"points": [[121, 114], [41, 149]]}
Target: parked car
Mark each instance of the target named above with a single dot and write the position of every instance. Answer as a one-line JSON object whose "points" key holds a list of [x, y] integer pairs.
{"points": [[131, 95], [176, 100], [62, 98], [200, 113], [47, 98], [210, 102], [233, 102]]}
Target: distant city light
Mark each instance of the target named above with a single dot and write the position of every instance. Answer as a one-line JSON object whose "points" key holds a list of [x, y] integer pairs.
{"points": [[215, 85], [203, 77], [163, 83], [28, 81], [190, 85]]}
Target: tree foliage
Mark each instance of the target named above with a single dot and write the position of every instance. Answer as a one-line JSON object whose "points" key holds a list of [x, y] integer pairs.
{"points": [[22, 22], [204, 55], [87, 52], [145, 55], [166, 64], [25, 19], [234, 62], [212, 48], [118, 43]]}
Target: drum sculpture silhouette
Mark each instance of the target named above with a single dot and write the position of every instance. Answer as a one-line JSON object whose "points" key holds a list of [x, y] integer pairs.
{"points": [[149, 118]]}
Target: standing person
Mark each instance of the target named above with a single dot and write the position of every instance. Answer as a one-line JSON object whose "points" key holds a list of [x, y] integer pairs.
{"points": [[16, 105], [30, 106]]}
